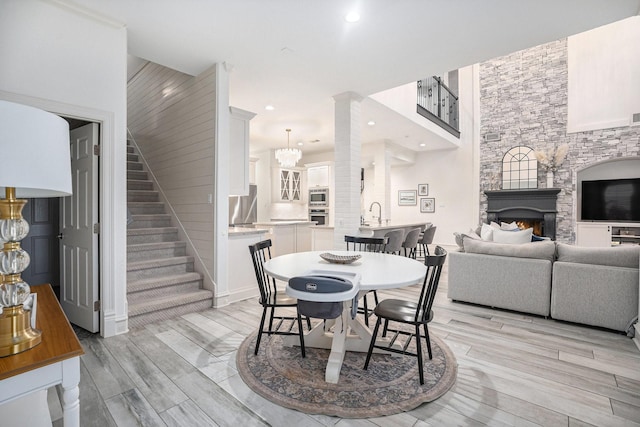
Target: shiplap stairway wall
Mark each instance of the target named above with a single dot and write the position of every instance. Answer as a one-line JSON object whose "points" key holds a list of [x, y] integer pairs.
{"points": [[161, 281]]}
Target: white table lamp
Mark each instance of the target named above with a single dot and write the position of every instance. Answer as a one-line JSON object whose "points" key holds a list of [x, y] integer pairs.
{"points": [[36, 162]]}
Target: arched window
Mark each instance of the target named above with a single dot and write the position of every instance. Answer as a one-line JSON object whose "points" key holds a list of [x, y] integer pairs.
{"points": [[519, 168]]}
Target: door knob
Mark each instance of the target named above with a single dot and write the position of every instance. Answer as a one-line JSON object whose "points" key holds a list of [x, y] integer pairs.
{"points": [[60, 236]]}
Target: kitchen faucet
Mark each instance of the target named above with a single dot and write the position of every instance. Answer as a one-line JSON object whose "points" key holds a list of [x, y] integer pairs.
{"points": [[380, 211]]}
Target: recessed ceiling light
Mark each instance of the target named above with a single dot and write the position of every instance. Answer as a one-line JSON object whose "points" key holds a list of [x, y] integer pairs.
{"points": [[269, 107], [422, 144], [371, 123], [352, 17], [300, 144]]}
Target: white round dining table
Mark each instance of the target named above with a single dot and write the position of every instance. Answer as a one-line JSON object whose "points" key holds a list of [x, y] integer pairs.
{"points": [[377, 271]]}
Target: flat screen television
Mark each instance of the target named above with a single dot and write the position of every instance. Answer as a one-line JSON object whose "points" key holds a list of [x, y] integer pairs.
{"points": [[611, 200]]}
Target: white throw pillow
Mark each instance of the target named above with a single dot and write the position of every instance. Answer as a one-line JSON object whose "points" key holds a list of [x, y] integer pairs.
{"points": [[508, 226], [518, 236], [494, 225], [486, 232]]}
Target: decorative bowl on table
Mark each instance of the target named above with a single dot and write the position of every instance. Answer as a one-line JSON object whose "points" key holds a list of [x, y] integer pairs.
{"points": [[339, 259]]}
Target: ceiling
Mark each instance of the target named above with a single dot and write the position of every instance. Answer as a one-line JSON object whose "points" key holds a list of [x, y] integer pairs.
{"points": [[296, 55]]}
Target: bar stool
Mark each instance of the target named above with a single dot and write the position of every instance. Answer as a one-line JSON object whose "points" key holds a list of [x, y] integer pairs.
{"points": [[366, 244], [427, 238], [394, 241], [410, 243]]}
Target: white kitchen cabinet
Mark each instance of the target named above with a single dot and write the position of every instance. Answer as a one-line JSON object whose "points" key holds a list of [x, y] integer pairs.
{"points": [[284, 240], [287, 185], [239, 151], [303, 238], [321, 238], [318, 176], [287, 237], [242, 283]]}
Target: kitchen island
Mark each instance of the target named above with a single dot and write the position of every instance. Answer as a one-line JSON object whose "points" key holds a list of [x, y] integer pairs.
{"points": [[322, 235], [287, 236], [379, 230]]}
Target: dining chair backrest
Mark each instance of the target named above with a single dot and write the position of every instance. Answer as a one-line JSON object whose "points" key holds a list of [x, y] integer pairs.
{"points": [[411, 239], [365, 244], [260, 253], [394, 241], [427, 237], [434, 264]]}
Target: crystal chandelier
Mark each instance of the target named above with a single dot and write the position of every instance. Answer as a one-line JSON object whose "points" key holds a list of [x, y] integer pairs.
{"points": [[288, 157]]}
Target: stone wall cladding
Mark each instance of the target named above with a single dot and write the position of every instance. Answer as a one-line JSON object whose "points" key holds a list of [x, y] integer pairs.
{"points": [[523, 97]]}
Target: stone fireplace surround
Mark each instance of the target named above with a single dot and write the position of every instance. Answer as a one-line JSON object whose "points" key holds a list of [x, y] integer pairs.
{"points": [[531, 205]]}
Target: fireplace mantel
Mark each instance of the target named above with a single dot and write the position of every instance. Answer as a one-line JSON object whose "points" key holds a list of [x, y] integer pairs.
{"points": [[534, 203]]}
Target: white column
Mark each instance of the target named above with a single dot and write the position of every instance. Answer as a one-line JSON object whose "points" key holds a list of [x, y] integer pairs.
{"points": [[382, 180], [221, 188], [348, 135]]}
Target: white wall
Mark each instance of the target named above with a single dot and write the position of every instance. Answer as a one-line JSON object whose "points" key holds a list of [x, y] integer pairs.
{"points": [[62, 61], [452, 175], [396, 99], [603, 67]]}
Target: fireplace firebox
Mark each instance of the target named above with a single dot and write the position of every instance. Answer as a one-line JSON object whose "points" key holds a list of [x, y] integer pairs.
{"points": [[528, 207]]}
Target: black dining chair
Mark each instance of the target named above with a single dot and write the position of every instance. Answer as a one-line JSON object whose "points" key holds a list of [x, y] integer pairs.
{"points": [[412, 313], [366, 244], [272, 299]]}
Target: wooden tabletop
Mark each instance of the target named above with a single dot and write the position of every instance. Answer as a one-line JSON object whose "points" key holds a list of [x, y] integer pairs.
{"points": [[59, 342]]}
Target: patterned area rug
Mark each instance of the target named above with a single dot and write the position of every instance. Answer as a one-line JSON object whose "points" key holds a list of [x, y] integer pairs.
{"points": [[389, 386]]}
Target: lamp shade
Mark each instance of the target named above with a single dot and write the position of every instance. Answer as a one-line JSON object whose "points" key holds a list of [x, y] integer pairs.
{"points": [[35, 153]]}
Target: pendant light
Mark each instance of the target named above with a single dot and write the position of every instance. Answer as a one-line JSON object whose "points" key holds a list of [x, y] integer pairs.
{"points": [[288, 157]]}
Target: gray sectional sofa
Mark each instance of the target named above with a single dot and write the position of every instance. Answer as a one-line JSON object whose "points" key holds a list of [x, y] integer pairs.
{"points": [[592, 286]]}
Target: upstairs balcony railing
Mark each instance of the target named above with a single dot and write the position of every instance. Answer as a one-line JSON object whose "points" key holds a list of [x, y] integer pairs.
{"points": [[439, 104]]}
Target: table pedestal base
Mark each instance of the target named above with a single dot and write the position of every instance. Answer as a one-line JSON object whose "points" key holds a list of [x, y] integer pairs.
{"points": [[348, 335]]}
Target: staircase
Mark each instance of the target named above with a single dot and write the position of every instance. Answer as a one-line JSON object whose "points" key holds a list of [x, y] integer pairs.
{"points": [[161, 281]]}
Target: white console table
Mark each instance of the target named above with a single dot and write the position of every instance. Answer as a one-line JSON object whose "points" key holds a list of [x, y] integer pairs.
{"points": [[56, 360]]}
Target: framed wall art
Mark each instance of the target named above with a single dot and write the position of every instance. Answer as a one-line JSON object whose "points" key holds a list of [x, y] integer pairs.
{"points": [[407, 197], [423, 189], [428, 205]]}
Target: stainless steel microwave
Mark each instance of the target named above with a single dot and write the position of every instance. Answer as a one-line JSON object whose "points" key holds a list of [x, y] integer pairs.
{"points": [[319, 196]]}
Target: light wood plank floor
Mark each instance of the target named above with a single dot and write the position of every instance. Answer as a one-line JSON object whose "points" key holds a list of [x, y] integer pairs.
{"points": [[513, 370]]}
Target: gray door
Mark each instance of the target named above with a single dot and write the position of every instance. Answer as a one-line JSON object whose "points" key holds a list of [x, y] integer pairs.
{"points": [[42, 242]]}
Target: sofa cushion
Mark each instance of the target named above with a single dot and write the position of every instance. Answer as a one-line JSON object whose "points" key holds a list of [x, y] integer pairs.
{"points": [[512, 236], [509, 226], [486, 232], [619, 256], [538, 250], [461, 236]]}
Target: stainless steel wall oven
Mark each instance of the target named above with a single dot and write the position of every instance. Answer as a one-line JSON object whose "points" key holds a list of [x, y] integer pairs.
{"points": [[321, 216]]}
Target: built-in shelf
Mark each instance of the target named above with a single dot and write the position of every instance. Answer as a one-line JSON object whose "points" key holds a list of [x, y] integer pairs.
{"points": [[607, 234], [623, 235]]}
